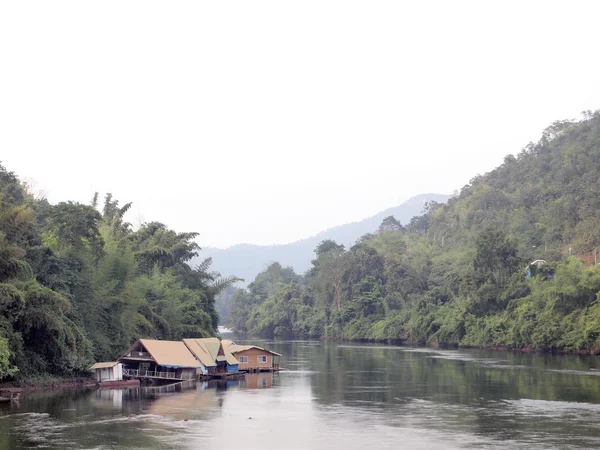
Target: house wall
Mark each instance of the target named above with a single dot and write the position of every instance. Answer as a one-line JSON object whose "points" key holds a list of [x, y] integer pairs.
{"points": [[149, 365], [118, 371], [114, 373], [185, 373], [253, 363]]}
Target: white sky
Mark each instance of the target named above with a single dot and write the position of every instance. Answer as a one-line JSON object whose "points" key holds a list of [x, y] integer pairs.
{"points": [[268, 121]]}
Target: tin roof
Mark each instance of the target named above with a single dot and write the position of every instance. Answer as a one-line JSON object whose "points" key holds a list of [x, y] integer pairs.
{"points": [[170, 353], [234, 348], [207, 351], [104, 365], [231, 359], [200, 351]]}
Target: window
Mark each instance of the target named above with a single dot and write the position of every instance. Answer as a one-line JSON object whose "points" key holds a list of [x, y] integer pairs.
{"points": [[262, 358], [243, 360]]}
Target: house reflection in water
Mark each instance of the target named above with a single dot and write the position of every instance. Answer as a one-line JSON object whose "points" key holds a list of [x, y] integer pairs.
{"points": [[261, 380], [222, 384], [198, 403], [181, 401], [113, 398]]}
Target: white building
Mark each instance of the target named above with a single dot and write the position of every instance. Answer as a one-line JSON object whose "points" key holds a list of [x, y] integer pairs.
{"points": [[108, 371]]}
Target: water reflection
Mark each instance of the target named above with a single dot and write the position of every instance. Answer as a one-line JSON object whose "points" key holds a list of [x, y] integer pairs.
{"points": [[334, 396], [262, 380]]}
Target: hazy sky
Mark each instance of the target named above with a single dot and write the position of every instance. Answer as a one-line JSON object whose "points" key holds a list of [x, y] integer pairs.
{"points": [[268, 121]]}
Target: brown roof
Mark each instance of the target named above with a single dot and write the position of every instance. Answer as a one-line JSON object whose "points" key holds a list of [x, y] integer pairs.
{"points": [[207, 351], [231, 360], [104, 365], [201, 351], [234, 348], [170, 353]]}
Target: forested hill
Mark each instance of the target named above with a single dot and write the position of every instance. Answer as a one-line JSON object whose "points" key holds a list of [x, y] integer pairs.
{"points": [[457, 274], [246, 260], [78, 285]]}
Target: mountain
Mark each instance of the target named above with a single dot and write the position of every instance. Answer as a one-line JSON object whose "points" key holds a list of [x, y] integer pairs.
{"points": [[247, 260], [509, 262]]}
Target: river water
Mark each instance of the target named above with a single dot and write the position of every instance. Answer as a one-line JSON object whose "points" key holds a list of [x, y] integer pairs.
{"points": [[335, 396]]}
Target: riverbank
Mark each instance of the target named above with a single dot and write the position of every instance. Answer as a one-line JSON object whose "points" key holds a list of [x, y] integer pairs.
{"points": [[595, 351], [49, 382]]}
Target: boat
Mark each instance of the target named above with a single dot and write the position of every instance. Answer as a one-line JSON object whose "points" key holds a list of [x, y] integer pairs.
{"points": [[10, 394]]}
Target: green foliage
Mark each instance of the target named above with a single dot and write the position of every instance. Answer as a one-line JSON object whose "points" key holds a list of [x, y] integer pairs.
{"points": [[77, 285], [6, 368], [72, 225], [496, 258], [456, 274]]}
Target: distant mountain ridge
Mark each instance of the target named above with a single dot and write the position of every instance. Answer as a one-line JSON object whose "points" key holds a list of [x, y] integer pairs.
{"points": [[247, 260]]}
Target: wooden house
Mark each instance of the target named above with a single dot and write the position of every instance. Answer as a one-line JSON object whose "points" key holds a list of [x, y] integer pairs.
{"points": [[110, 375], [214, 357], [166, 360], [252, 358]]}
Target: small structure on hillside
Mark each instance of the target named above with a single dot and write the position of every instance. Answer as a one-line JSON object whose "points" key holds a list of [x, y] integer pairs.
{"points": [[252, 358], [215, 358], [539, 268], [108, 371], [160, 360]]}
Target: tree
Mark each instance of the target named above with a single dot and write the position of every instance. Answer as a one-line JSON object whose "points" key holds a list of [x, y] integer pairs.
{"points": [[154, 244], [496, 258], [6, 369], [329, 266], [73, 225], [390, 224], [328, 245]]}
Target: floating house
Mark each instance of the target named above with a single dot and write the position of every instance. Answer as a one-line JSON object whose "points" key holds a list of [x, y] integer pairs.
{"points": [[110, 375], [252, 358], [108, 371], [214, 357], [162, 360], [188, 359]]}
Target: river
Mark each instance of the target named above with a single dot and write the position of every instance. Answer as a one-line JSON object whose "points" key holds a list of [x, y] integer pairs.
{"points": [[335, 396]]}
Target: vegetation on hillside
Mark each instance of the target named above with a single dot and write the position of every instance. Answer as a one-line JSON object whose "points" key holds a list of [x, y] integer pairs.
{"points": [[248, 260], [78, 284], [457, 274]]}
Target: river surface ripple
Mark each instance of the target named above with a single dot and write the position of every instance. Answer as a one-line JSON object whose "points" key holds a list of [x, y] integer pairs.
{"points": [[334, 396]]}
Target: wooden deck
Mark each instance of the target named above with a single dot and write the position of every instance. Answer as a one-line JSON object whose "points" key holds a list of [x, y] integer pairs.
{"points": [[134, 373], [257, 369], [10, 394], [225, 375]]}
